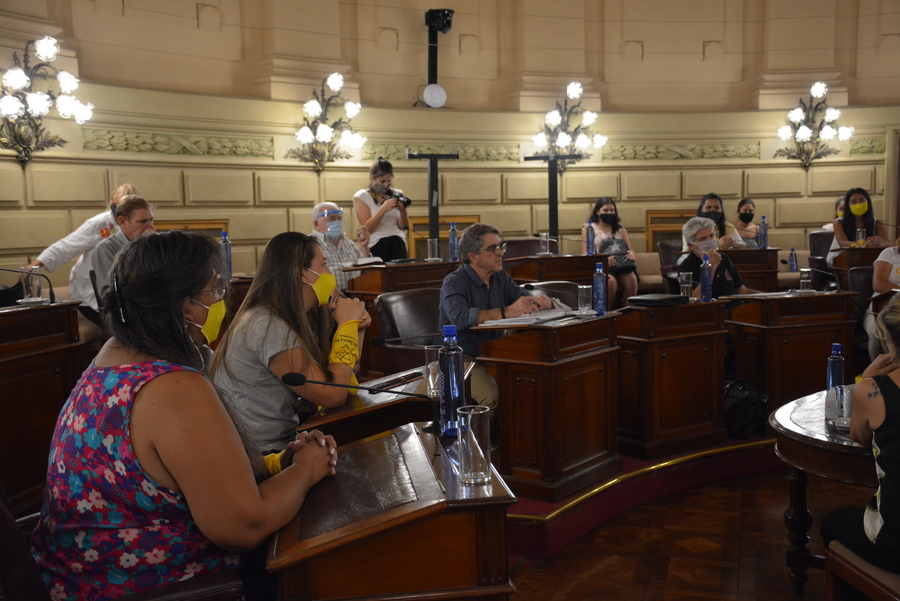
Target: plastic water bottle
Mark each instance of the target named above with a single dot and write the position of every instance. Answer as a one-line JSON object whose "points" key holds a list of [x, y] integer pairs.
{"points": [[600, 290], [454, 242], [225, 244], [451, 382], [793, 261], [706, 278], [763, 233], [834, 390], [589, 238]]}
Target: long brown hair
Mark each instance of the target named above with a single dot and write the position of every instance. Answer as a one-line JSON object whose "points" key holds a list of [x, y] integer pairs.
{"points": [[278, 287]]}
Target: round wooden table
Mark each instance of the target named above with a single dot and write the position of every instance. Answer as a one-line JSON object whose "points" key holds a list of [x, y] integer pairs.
{"points": [[811, 446]]}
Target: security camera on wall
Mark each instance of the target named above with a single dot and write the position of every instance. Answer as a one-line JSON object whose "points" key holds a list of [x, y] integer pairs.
{"points": [[437, 20]]}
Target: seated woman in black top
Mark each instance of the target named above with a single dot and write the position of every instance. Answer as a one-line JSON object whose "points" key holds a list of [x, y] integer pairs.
{"points": [[698, 233], [873, 532]]}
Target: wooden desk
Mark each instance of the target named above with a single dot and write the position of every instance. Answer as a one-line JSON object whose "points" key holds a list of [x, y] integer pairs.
{"points": [[39, 347], [805, 442], [758, 267], [783, 340], [850, 258], [558, 387], [377, 279], [671, 370], [367, 414], [541, 268], [395, 523]]}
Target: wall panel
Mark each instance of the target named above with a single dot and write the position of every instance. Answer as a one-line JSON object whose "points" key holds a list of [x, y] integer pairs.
{"points": [[159, 186], [55, 184], [209, 187]]}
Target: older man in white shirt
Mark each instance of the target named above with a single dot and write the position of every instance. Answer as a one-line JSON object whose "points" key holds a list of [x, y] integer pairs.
{"points": [[340, 251]]}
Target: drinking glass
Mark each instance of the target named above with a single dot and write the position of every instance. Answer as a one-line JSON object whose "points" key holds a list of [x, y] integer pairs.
{"points": [[805, 279], [474, 444], [31, 282], [434, 249], [432, 374], [545, 243], [584, 298], [685, 284], [861, 236]]}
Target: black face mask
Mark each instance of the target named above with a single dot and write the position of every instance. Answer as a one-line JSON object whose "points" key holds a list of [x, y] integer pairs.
{"points": [[608, 218], [714, 215], [746, 217]]}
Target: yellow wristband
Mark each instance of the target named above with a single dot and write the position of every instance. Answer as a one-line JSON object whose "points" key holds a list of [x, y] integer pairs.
{"points": [[273, 462], [345, 344], [859, 379]]}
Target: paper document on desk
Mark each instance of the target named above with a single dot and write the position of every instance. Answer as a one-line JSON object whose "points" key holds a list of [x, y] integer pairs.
{"points": [[529, 319]]}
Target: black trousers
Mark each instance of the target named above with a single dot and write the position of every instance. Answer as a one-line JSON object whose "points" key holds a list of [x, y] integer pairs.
{"points": [[846, 526], [389, 248]]}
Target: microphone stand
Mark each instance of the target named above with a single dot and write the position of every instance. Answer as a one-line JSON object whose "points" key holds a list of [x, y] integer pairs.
{"points": [[294, 379], [380, 341], [49, 283]]}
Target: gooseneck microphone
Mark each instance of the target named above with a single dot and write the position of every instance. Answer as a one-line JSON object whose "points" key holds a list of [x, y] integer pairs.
{"points": [[293, 379], [49, 283], [828, 273], [380, 341]]}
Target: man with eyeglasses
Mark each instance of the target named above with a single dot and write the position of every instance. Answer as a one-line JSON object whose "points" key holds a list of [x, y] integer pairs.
{"points": [[340, 251], [480, 290]]}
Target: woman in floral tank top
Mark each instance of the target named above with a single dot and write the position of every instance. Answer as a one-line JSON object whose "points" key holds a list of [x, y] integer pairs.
{"points": [[144, 448]]}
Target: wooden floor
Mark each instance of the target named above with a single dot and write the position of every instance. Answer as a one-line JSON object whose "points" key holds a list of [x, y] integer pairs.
{"points": [[725, 541]]}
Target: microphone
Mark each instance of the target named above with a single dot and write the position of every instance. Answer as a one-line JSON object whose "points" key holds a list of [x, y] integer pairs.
{"points": [[49, 283], [293, 379], [406, 227], [380, 341], [828, 273]]}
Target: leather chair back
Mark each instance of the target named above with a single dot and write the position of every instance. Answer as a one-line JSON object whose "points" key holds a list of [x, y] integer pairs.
{"points": [[859, 280], [407, 314], [819, 242], [669, 251], [524, 247], [566, 292]]}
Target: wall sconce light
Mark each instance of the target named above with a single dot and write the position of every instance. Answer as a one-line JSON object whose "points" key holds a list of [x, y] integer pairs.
{"points": [[810, 126], [317, 137], [556, 137], [22, 107]]}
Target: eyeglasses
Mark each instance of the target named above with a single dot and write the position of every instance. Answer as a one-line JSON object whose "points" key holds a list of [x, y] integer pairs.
{"points": [[333, 215], [221, 286], [493, 248]]}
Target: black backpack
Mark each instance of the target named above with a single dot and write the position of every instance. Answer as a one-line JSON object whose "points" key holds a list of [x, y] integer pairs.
{"points": [[745, 409]]}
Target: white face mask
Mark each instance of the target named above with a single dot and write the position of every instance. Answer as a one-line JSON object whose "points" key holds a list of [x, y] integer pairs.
{"points": [[334, 230], [707, 246]]}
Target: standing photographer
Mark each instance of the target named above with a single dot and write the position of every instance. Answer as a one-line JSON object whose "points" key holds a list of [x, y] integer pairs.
{"points": [[383, 211]]}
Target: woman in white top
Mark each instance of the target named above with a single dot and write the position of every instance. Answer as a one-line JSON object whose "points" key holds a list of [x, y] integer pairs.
{"points": [[606, 224], [838, 213], [885, 277], [858, 215], [380, 210]]}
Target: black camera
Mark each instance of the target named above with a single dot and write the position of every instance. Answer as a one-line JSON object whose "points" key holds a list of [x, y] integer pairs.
{"points": [[402, 199]]}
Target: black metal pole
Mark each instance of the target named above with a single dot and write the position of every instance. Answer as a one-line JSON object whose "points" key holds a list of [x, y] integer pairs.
{"points": [[433, 207], [553, 186], [432, 55]]}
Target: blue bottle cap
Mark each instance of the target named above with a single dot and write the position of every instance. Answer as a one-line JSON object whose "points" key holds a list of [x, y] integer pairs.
{"points": [[452, 224], [224, 233], [599, 266], [705, 258], [450, 330], [836, 348], [792, 249]]}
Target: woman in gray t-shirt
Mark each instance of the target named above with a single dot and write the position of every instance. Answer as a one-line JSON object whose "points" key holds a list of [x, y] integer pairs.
{"points": [[285, 326]]}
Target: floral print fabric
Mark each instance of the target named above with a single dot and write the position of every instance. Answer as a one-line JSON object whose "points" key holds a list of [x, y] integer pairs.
{"points": [[106, 528]]}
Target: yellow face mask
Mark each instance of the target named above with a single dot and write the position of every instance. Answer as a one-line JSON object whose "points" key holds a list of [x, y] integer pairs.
{"points": [[840, 214], [213, 324], [859, 209], [323, 287]]}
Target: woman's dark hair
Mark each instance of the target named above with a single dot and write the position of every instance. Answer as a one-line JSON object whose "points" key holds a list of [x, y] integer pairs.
{"points": [[278, 287], [720, 223], [379, 167], [595, 212], [848, 221], [152, 277], [745, 201]]}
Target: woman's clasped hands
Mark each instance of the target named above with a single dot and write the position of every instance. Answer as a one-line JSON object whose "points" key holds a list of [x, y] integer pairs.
{"points": [[314, 452]]}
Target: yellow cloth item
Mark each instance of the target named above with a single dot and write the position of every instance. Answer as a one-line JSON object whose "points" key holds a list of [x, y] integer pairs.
{"points": [[273, 462], [345, 344], [859, 379]]}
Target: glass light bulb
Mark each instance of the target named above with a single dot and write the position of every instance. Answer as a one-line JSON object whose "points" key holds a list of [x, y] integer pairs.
{"points": [[588, 118], [11, 107], [804, 134], [15, 79], [539, 140], [344, 140], [312, 108], [796, 115], [831, 114], [65, 105], [335, 81], [582, 141], [352, 109], [574, 90], [358, 140], [827, 133], [785, 132], [818, 89], [83, 112], [38, 103], [844, 133], [600, 141], [304, 135], [563, 139], [46, 49], [324, 133], [68, 83], [553, 118]]}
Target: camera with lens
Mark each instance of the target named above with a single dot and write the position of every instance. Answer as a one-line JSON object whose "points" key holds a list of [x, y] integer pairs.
{"points": [[401, 199]]}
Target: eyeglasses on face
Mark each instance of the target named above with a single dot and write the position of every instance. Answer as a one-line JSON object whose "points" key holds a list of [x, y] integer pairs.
{"points": [[219, 289], [493, 248]]}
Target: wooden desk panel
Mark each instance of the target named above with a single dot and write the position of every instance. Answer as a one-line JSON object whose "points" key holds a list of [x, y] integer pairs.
{"points": [[671, 368], [395, 522], [758, 267], [783, 341], [558, 386], [541, 268]]}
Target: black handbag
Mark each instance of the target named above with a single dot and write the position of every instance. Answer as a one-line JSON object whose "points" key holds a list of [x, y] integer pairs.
{"points": [[617, 248]]}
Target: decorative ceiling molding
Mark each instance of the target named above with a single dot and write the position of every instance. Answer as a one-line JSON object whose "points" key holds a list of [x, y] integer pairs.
{"points": [[868, 146], [684, 152], [477, 153], [166, 143]]}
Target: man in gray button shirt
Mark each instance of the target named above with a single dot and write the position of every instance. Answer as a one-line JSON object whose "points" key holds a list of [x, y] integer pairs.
{"points": [[478, 291]]}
